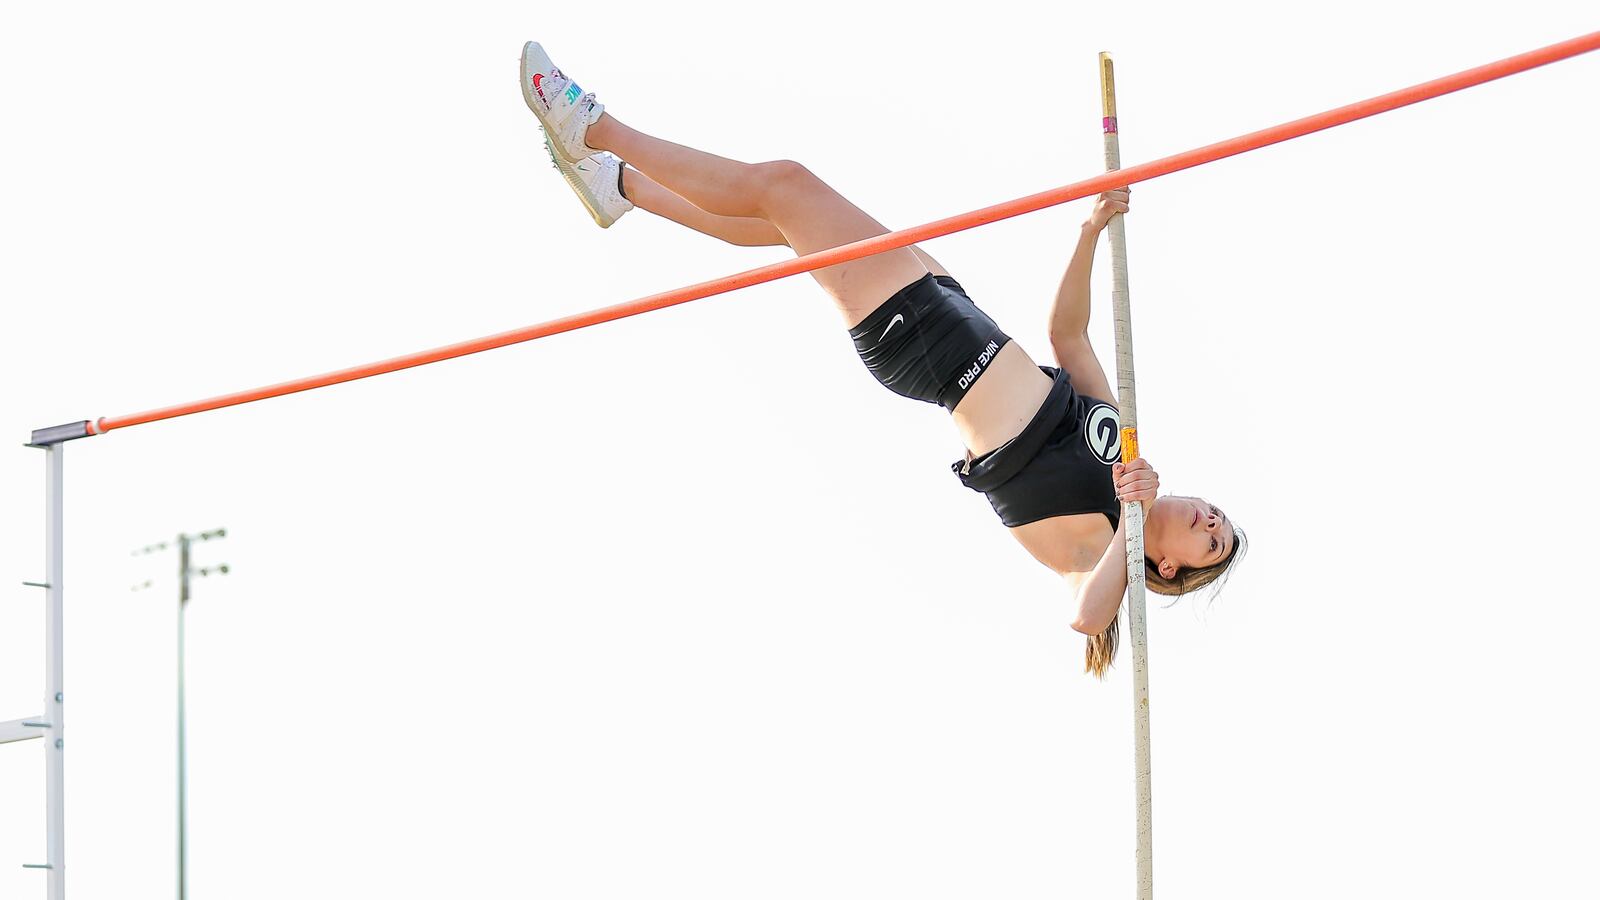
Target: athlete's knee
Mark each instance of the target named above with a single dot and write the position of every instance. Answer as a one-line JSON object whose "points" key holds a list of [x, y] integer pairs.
{"points": [[784, 178], [786, 171]]}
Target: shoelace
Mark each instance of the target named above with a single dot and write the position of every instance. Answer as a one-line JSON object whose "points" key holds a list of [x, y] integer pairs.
{"points": [[560, 84]]}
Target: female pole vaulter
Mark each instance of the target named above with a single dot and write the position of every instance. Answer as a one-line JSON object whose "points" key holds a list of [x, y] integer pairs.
{"points": [[1040, 443]]}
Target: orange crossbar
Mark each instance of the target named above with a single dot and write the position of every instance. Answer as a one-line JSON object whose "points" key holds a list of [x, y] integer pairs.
{"points": [[895, 239]]}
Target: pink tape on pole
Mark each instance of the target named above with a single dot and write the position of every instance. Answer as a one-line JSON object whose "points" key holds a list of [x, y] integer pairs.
{"points": [[1109, 124]]}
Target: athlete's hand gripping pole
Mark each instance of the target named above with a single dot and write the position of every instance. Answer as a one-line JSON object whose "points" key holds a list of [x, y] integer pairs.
{"points": [[1132, 512]]}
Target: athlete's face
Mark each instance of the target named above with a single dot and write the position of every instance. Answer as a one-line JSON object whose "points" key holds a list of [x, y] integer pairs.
{"points": [[1187, 533]]}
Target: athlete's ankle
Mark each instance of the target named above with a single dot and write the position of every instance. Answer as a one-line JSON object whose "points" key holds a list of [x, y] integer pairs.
{"points": [[599, 131]]}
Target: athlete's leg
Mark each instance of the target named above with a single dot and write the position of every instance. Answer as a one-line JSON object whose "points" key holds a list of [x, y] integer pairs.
{"points": [[810, 215], [997, 406], [744, 231], [928, 262]]}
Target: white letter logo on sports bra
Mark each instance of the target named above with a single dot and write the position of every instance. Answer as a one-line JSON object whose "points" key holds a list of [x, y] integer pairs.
{"points": [[1100, 429]]}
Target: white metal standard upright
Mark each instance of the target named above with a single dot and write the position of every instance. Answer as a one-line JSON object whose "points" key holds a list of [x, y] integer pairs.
{"points": [[48, 724], [55, 742], [1132, 513], [51, 724]]}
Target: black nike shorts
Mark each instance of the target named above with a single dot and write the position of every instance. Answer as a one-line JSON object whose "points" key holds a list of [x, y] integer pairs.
{"points": [[929, 341]]}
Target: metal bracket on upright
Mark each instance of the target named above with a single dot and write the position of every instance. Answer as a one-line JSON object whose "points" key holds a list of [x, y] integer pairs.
{"points": [[22, 729], [56, 434]]}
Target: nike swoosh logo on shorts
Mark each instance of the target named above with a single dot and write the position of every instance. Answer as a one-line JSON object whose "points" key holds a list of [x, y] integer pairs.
{"points": [[892, 323]]}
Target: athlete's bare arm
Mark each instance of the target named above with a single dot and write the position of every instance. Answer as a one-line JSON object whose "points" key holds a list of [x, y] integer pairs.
{"points": [[1069, 316], [1099, 591]]}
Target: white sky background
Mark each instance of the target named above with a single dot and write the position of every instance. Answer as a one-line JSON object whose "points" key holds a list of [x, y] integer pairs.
{"points": [[687, 605]]}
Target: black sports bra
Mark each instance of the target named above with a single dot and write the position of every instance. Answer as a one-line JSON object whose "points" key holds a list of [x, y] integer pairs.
{"points": [[1060, 465]]}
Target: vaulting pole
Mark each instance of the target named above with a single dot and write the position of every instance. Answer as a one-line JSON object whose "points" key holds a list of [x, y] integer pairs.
{"points": [[1132, 512]]}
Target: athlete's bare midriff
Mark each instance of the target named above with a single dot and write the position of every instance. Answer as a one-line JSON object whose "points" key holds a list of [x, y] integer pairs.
{"points": [[1001, 403], [996, 410]]}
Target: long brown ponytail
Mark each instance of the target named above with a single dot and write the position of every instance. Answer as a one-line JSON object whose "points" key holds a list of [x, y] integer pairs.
{"points": [[1100, 649]]}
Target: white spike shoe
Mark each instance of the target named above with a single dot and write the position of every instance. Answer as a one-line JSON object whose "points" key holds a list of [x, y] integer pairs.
{"points": [[598, 183], [564, 110]]}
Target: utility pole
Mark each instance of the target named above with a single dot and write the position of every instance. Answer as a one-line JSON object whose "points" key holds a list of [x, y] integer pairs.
{"points": [[186, 570]]}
